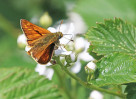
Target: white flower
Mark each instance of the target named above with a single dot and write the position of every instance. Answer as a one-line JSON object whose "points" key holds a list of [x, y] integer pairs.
{"points": [[95, 95], [44, 70], [21, 40], [77, 67], [91, 65], [81, 43], [80, 26]]}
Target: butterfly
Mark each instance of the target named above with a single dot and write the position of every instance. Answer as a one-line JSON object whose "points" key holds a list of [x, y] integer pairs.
{"points": [[41, 41]]}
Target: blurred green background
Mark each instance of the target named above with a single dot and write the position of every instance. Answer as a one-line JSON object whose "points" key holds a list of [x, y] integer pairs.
{"points": [[92, 11]]}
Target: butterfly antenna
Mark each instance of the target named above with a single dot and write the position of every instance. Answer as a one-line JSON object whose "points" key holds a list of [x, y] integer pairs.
{"points": [[60, 25], [69, 39], [68, 42], [67, 34]]}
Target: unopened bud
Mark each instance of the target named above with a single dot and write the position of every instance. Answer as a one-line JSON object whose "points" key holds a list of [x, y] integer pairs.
{"points": [[90, 68], [96, 95], [45, 20], [68, 59], [21, 41]]}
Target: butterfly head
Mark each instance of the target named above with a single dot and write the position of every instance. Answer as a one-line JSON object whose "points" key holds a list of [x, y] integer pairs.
{"points": [[60, 35]]}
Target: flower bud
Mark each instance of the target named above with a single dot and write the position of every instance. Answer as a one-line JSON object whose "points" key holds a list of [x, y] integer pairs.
{"points": [[68, 59], [95, 95], [90, 68], [45, 20], [21, 41]]}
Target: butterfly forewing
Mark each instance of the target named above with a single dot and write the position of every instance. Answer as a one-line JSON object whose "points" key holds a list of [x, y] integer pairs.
{"points": [[41, 44], [32, 31]]}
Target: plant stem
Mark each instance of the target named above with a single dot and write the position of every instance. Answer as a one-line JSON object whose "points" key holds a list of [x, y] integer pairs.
{"points": [[85, 84], [62, 83]]}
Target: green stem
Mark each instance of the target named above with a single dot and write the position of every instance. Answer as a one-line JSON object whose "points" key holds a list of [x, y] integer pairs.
{"points": [[62, 83], [85, 84], [73, 91]]}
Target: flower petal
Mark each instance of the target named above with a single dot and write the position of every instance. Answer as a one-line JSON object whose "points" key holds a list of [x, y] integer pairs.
{"points": [[49, 73], [62, 51], [85, 56], [51, 29], [77, 67], [40, 69], [44, 70]]}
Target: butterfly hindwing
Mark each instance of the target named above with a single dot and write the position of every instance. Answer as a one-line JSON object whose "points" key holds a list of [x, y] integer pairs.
{"points": [[46, 56], [42, 51], [42, 55]]}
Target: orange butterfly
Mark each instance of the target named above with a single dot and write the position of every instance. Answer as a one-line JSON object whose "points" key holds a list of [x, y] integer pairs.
{"points": [[41, 41]]}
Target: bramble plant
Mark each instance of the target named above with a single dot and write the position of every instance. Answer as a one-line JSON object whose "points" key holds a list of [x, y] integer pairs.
{"points": [[113, 46]]}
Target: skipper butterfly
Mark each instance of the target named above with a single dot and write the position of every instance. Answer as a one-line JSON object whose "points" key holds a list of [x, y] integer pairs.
{"points": [[40, 40]]}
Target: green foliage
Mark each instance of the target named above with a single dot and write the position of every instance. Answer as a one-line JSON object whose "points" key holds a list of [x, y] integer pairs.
{"points": [[26, 84], [113, 36], [115, 69], [131, 90], [116, 41]]}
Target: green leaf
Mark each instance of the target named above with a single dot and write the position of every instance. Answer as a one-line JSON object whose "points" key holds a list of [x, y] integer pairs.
{"points": [[115, 69], [97, 57], [23, 83], [131, 90], [113, 36]]}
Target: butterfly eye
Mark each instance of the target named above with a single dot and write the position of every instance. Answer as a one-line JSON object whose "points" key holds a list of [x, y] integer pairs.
{"points": [[59, 36]]}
